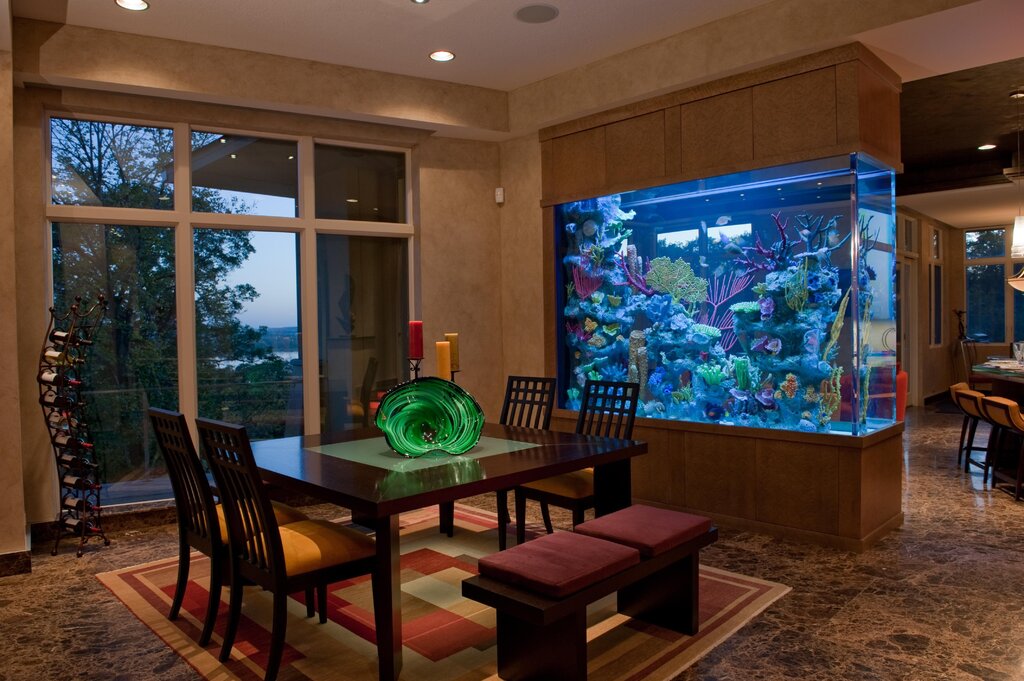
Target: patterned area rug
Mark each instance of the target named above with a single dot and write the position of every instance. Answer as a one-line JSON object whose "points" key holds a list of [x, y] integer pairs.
{"points": [[446, 637]]}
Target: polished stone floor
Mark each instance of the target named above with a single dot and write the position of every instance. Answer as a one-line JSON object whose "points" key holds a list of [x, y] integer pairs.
{"points": [[941, 598]]}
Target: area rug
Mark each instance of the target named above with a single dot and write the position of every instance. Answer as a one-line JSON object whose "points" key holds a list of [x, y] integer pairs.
{"points": [[445, 636]]}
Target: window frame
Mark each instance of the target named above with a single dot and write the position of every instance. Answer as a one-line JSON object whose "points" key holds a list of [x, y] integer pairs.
{"points": [[184, 221], [1009, 264]]}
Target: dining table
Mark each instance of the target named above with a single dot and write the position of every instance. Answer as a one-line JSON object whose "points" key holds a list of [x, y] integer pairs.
{"points": [[1005, 374], [356, 469]]}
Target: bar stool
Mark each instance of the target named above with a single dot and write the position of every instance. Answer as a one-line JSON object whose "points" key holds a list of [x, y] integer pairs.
{"points": [[970, 406], [1006, 414], [969, 402]]}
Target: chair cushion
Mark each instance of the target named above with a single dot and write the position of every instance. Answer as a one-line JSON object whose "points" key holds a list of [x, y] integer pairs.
{"points": [[647, 529], [557, 565], [284, 513], [575, 485], [314, 544]]}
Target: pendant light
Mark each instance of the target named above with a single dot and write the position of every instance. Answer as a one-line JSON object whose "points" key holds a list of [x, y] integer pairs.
{"points": [[1017, 243]]}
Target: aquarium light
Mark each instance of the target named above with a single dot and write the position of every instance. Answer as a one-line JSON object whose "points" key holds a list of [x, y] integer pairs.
{"points": [[761, 184]]}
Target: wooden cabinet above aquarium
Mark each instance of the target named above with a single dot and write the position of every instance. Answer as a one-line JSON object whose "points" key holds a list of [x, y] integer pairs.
{"points": [[838, 101]]}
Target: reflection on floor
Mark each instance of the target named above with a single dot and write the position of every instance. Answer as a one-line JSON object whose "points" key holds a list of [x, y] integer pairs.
{"points": [[942, 598]]}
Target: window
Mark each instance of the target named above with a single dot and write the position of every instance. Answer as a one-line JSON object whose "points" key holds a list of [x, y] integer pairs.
{"points": [[995, 313], [208, 293], [93, 163], [133, 363], [936, 307]]}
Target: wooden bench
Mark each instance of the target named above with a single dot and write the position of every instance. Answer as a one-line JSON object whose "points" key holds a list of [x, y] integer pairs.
{"points": [[541, 589]]}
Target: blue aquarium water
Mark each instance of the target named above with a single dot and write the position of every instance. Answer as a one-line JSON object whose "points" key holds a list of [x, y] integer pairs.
{"points": [[760, 299]]}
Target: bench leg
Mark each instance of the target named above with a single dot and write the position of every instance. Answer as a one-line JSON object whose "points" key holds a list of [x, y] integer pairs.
{"points": [[530, 652], [669, 598]]}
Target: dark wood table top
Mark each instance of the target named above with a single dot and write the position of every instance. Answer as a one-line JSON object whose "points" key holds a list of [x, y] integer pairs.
{"points": [[401, 485]]}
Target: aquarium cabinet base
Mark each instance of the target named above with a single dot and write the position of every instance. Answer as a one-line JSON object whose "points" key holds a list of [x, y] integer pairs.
{"points": [[833, 490]]}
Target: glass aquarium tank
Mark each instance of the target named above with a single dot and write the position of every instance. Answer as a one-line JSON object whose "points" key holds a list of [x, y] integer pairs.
{"points": [[762, 299]]}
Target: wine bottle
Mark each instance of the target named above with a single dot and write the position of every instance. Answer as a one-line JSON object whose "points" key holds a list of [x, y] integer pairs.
{"points": [[75, 504], [69, 460], [70, 442], [59, 379], [76, 482], [75, 525], [61, 338], [53, 399]]}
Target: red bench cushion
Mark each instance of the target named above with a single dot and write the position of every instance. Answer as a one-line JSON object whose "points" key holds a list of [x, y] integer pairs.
{"points": [[649, 530], [557, 565]]}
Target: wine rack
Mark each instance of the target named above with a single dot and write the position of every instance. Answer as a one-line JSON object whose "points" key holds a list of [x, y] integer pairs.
{"points": [[64, 354]]}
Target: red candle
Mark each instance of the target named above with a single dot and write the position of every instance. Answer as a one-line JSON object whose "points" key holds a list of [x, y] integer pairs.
{"points": [[416, 340]]}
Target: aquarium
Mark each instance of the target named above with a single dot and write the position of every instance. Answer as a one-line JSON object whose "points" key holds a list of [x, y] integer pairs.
{"points": [[761, 299]]}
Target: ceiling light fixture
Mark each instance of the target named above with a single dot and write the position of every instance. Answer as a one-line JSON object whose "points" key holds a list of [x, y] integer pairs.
{"points": [[442, 55], [1017, 243], [420, 2], [133, 5], [986, 147], [351, 200]]}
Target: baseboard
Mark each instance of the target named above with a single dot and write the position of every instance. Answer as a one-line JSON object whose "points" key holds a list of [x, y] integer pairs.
{"points": [[15, 563]]}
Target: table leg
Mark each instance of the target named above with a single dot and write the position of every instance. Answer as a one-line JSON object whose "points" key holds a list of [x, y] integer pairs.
{"points": [[387, 599], [612, 487]]}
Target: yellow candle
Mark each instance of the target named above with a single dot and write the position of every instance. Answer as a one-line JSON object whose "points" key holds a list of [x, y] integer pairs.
{"points": [[453, 339], [444, 360]]}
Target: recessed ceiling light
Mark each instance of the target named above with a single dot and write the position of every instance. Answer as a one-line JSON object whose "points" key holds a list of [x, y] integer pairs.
{"points": [[133, 5], [351, 200], [420, 2], [442, 55], [536, 14], [291, 158], [223, 140], [234, 155], [1019, 94], [986, 147]]}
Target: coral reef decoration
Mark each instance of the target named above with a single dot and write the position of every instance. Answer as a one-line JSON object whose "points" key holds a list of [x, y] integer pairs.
{"points": [[430, 415], [585, 283], [677, 278]]}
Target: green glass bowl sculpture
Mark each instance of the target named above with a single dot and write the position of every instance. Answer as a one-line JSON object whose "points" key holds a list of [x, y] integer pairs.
{"points": [[430, 415]]}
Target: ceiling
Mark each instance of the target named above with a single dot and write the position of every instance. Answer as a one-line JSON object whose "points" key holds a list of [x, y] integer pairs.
{"points": [[493, 49], [955, 93]]}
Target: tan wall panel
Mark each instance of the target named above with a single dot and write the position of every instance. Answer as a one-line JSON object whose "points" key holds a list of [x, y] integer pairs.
{"points": [[460, 260], [798, 485], [721, 474], [879, 117], [523, 264], [673, 141], [795, 114], [717, 131], [635, 149], [12, 493], [578, 162]]}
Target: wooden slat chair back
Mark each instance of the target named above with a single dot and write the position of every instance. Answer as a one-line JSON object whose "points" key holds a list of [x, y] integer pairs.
{"points": [[607, 409], [529, 401], [198, 526]]}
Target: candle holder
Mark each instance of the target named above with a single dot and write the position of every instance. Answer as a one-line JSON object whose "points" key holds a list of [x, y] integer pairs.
{"points": [[414, 366]]}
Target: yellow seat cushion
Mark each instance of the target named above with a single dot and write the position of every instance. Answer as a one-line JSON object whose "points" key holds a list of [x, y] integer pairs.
{"points": [[575, 485], [313, 544], [284, 513]]}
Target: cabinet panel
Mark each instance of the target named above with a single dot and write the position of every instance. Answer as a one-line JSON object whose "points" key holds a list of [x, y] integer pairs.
{"points": [[798, 485], [795, 114], [635, 149], [717, 131], [578, 163]]}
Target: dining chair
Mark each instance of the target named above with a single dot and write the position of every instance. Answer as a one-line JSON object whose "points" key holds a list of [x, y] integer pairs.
{"points": [[359, 410], [281, 559], [967, 401], [1006, 415], [971, 402], [967, 357], [529, 401], [201, 521], [607, 409]]}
